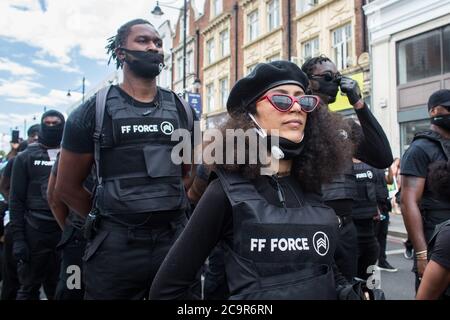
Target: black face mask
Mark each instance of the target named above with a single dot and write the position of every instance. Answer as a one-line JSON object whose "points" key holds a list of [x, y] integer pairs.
{"points": [[329, 89], [290, 149], [51, 136], [442, 121], [145, 64]]}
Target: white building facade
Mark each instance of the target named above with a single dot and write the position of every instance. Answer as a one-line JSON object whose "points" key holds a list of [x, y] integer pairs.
{"points": [[410, 59]]}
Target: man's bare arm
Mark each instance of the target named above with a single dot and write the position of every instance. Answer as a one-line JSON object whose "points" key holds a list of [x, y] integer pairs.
{"points": [[59, 209], [412, 191], [73, 170], [434, 282]]}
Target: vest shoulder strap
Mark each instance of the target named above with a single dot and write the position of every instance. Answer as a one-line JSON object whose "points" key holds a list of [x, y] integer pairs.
{"points": [[187, 109], [436, 137], [236, 187], [100, 106]]}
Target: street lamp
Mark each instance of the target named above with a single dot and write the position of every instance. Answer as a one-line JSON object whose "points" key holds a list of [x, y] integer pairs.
{"points": [[158, 12], [78, 90]]}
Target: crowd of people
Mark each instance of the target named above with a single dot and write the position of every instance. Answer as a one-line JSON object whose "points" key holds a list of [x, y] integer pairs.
{"points": [[96, 208]]}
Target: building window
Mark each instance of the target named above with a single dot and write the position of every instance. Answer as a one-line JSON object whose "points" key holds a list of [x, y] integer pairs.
{"points": [[217, 7], [252, 25], [182, 25], [420, 57], [409, 129], [305, 5], [223, 85], [251, 67], [190, 62], [446, 57], [311, 49], [225, 43], [210, 97], [210, 50], [273, 58], [342, 46], [273, 14], [179, 67]]}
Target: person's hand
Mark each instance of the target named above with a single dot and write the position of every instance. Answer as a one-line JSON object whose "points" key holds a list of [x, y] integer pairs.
{"points": [[421, 265], [20, 251], [351, 88]]}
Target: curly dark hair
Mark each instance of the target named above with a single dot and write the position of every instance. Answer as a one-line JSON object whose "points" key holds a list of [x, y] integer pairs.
{"points": [[438, 179], [310, 64], [324, 156], [120, 38]]}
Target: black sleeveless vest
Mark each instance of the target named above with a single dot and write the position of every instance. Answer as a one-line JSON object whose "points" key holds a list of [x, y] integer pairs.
{"points": [[434, 211], [39, 167], [138, 173], [365, 205], [278, 253]]}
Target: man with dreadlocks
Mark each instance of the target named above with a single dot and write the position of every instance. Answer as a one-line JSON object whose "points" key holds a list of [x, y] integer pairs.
{"points": [[139, 204], [371, 148]]}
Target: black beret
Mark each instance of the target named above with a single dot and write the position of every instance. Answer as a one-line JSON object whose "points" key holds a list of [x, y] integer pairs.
{"points": [[264, 77]]}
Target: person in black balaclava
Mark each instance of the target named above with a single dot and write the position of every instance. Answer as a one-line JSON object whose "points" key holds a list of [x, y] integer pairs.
{"points": [[373, 149], [34, 230], [422, 205]]}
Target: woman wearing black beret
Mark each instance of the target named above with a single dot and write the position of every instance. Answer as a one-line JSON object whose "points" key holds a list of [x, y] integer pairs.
{"points": [[278, 236]]}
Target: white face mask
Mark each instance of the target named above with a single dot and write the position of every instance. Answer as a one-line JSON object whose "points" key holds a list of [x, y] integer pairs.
{"points": [[275, 150]]}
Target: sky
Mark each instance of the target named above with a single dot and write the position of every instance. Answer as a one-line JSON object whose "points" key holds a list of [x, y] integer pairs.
{"points": [[48, 46]]}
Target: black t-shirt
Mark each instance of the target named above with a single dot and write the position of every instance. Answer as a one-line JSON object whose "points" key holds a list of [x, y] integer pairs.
{"points": [[415, 162], [80, 126], [441, 250], [212, 222]]}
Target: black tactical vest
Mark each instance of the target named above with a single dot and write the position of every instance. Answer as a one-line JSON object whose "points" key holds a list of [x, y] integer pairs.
{"points": [[342, 187], [138, 173], [365, 205], [434, 211], [39, 167], [278, 253]]}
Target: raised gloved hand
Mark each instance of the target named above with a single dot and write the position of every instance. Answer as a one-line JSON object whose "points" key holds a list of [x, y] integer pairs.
{"points": [[20, 251], [351, 88]]}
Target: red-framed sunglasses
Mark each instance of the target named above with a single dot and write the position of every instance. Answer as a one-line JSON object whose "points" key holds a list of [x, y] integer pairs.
{"points": [[284, 102]]}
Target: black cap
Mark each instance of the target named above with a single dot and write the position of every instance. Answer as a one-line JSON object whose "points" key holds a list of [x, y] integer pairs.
{"points": [[34, 129], [439, 98], [264, 77]]}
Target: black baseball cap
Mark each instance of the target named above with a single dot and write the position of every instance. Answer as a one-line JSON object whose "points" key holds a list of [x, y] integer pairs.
{"points": [[439, 98]]}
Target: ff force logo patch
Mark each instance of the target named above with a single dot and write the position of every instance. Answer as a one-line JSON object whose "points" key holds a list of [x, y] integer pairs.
{"points": [[321, 243]]}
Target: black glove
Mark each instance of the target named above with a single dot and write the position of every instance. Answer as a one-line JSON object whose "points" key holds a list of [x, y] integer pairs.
{"points": [[20, 251], [351, 88]]}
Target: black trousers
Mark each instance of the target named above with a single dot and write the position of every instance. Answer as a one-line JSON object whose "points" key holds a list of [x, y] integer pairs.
{"points": [[43, 267], [121, 262], [346, 254], [368, 247], [72, 246], [10, 283], [216, 285], [381, 231]]}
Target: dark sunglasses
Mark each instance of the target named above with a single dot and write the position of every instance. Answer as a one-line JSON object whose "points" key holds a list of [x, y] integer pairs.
{"points": [[284, 102], [328, 77]]}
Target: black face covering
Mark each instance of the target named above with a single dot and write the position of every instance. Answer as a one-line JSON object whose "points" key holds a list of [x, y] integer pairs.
{"points": [[50, 136], [329, 89], [290, 149], [145, 64], [442, 121]]}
